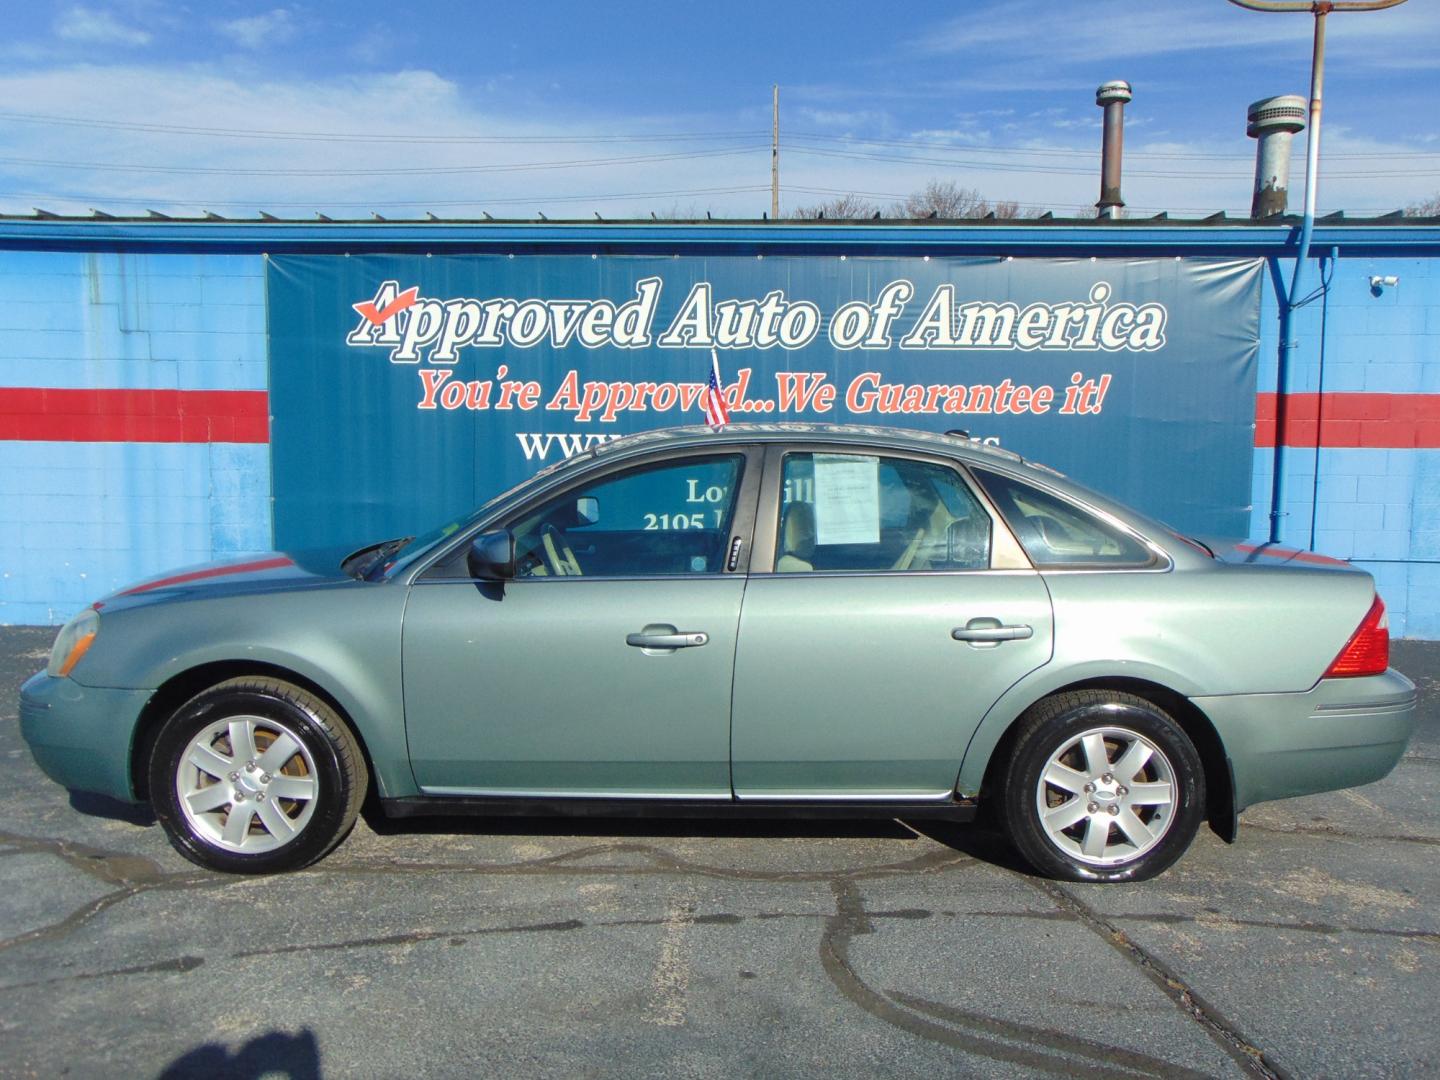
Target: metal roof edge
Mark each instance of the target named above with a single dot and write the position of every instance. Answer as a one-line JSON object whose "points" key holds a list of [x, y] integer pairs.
{"points": [[263, 236]]}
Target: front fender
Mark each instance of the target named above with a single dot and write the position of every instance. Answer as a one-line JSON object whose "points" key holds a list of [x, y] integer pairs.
{"points": [[346, 642]]}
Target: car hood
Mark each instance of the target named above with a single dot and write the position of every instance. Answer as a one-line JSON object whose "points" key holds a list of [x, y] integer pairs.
{"points": [[1251, 553], [273, 571]]}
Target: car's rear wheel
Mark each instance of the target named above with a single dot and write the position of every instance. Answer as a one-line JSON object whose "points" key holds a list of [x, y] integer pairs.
{"points": [[1102, 786], [256, 776]]}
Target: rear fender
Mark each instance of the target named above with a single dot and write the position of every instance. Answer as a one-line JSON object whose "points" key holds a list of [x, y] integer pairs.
{"points": [[1041, 684]]}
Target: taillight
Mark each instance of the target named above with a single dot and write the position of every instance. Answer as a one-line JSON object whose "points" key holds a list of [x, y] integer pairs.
{"points": [[1368, 650]]}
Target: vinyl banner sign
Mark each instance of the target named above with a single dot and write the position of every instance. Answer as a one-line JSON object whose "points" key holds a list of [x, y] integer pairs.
{"points": [[407, 389]]}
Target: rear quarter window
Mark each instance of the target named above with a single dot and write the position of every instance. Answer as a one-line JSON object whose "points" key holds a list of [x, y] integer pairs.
{"points": [[1057, 533]]}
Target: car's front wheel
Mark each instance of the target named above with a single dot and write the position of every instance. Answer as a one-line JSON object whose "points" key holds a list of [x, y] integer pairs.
{"points": [[1102, 786], [256, 776]]}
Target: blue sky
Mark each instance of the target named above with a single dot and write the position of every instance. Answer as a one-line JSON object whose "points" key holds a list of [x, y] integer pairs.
{"points": [[628, 108]]}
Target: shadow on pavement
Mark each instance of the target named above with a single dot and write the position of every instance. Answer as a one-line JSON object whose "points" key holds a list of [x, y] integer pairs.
{"points": [[103, 807], [980, 842], [884, 829], [273, 1054]]}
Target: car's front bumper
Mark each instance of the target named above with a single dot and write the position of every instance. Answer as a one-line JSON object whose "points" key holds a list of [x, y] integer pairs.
{"points": [[81, 735], [1340, 734]]}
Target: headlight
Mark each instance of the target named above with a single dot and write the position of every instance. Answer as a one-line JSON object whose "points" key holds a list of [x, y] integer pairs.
{"points": [[73, 642]]}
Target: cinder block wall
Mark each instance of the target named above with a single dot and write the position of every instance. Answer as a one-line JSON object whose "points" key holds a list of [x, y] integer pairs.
{"points": [[1363, 465], [129, 436]]}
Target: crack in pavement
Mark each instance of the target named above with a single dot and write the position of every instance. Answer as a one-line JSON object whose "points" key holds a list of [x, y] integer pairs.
{"points": [[134, 874], [1332, 832], [111, 867], [137, 874], [661, 862], [1212, 916], [459, 937], [1006, 1041], [1221, 1030], [1055, 1052], [180, 964]]}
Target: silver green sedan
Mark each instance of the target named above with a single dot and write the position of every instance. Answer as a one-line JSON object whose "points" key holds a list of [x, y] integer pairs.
{"points": [[772, 620]]}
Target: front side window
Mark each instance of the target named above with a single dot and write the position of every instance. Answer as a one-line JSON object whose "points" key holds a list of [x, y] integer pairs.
{"points": [[1056, 533], [867, 512], [671, 518]]}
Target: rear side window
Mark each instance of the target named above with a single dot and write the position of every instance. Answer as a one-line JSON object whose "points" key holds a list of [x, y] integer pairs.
{"points": [[1057, 533], [866, 512]]}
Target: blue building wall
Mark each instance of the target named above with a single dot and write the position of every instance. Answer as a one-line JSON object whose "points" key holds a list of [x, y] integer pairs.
{"points": [[1377, 507], [79, 519]]}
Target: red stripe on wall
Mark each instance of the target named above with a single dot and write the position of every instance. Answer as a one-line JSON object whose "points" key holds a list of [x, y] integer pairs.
{"points": [[168, 416], [1376, 421]]}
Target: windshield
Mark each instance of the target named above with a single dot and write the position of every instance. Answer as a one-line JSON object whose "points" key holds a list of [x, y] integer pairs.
{"points": [[412, 548]]}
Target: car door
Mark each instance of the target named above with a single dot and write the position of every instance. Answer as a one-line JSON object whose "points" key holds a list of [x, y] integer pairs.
{"points": [[605, 667], [892, 612]]}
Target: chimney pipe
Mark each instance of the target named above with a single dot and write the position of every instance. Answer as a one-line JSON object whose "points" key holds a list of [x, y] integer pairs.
{"points": [[1273, 122], [1111, 97]]}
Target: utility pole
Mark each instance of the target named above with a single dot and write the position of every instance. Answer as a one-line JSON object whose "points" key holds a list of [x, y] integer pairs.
{"points": [[775, 154], [1320, 9]]}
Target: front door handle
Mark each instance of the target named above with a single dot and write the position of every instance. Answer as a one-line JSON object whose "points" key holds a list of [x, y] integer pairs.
{"points": [[672, 640], [993, 633]]}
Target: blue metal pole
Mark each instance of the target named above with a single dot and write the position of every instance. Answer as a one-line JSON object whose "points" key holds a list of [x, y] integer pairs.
{"points": [[1302, 255]]}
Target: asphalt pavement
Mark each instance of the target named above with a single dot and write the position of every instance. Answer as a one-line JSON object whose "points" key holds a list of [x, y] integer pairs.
{"points": [[477, 948]]}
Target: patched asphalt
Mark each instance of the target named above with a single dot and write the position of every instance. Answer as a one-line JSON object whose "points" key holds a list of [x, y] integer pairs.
{"points": [[679, 949]]}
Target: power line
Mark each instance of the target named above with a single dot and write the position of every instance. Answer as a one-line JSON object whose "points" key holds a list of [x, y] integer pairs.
{"points": [[431, 170], [643, 159], [369, 137], [686, 136], [939, 144], [529, 200], [1063, 170]]}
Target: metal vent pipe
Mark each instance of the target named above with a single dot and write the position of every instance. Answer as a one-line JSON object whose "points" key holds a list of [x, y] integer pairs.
{"points": [[1274, 123], [1111, 97]]}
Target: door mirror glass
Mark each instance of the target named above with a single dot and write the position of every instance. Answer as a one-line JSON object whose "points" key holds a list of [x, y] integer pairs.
{"points": [[587, 510], [492, 556]]}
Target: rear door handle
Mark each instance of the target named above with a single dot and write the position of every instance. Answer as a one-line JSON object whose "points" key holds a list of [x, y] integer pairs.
{"points": [[972, 632], [677, 640]]}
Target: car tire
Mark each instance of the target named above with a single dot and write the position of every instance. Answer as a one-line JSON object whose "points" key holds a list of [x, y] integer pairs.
{"points": [[1101, 786], [256, 776]]}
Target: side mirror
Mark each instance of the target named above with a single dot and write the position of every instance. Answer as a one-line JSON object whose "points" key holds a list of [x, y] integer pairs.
{"points": [[587, 510], [492, 556]]}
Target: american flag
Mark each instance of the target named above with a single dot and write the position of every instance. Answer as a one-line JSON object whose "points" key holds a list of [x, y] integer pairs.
{"points": [[717, 415]]}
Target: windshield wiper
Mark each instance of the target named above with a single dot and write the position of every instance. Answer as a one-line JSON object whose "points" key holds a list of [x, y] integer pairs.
{"points": [[360, 563], [381, 553]]}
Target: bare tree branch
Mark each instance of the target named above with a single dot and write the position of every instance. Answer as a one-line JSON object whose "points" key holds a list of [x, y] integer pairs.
{"points": [[947, 199], [1425, 208], [840, 208]]}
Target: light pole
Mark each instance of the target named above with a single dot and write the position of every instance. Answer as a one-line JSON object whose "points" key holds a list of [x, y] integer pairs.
{"points": [[1320, 9]]}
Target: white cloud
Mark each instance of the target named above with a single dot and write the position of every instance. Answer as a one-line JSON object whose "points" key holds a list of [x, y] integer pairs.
{"points": [[870, 119], [92, 27], [236, 176], [259, 31], [294, 177], [1406, 36]]}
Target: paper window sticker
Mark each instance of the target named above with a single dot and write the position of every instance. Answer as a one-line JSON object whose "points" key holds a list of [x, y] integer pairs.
{"points": [[847, 499]]}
